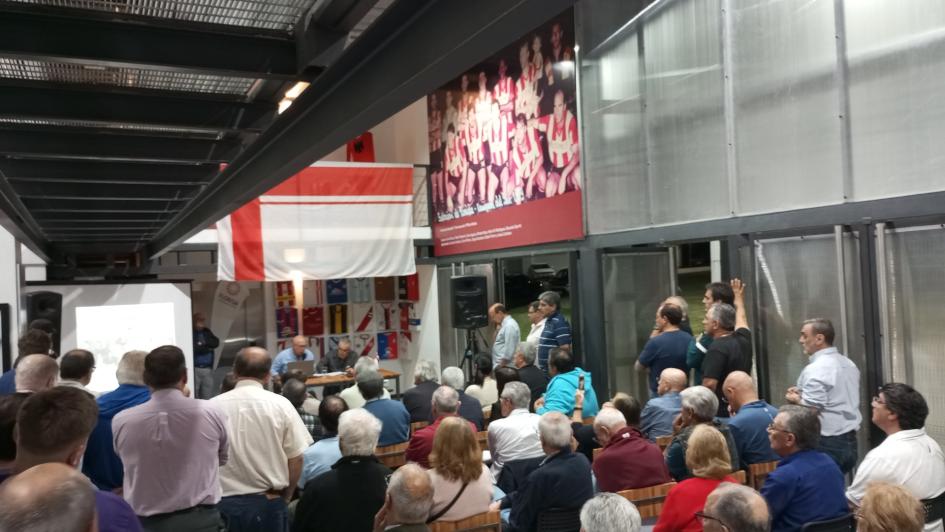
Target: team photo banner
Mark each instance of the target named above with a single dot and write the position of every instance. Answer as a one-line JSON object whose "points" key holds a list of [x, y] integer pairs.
{"points": [[505, 166]]}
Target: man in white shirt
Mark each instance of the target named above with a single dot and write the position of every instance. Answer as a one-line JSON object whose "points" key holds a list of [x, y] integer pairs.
{"points": [[831, 383], [515, 436], [507, 335], [267, 438], [537, 318], [351, 394], [908, 457]]}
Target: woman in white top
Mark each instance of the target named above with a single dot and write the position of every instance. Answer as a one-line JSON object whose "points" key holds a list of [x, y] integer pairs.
{"points": [[457, 462], [538, 323], [485, 388]]}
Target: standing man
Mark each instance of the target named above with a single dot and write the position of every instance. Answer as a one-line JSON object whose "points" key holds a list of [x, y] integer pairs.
{"points": [[172, 448], [667, 349], [557, 330], [908, 457], [537, 320], [507, 335], [830, 383], [714, 293], [297, 353], [731, 344], [340, 359], [266, 438], [204, 344]]}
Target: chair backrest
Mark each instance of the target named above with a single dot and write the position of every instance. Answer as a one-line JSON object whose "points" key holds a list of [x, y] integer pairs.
{"points": [[559, 520], [483, 438], [393, 456], [740, 476], [757, 473], [489, 521], [663, 442], [934, 508], [844, 523], [649, 500], [417, 425], [597, 452]]}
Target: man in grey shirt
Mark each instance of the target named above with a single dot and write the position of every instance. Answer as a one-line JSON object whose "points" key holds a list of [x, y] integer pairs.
{"points": [[507, 335]]}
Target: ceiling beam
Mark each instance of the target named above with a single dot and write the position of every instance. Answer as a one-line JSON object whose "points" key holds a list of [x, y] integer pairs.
{"points": [[106, 172], [413, 48], [32, 189], [57, 144], [91, 38]]}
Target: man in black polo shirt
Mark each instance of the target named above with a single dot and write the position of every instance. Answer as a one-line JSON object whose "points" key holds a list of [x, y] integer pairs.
{"points": [[731, 344]]}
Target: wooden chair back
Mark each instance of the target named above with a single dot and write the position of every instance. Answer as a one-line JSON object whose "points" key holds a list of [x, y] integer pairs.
{"points": [[417, 425], [663, 442], [741, 477], [483, 438], [597, 452], [649, 501], [393, 456], [488, 521], [757, 473]]}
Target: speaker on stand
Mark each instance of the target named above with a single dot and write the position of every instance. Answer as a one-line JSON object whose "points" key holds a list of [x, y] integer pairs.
{"points": [[470, 302]]}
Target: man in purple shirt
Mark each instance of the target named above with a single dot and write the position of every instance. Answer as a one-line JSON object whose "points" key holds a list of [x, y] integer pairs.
{"points": [[172, 448], [52, 427]]}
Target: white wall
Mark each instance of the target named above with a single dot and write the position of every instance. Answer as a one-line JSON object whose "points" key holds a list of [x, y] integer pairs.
{"points": [[402, 138], [10, 285]]}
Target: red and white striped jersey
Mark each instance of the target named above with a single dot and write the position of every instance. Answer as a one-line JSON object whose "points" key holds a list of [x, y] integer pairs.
{"points": [[454, 157], [499, 141], [435, 123], [562, 138], [473, 140], [526, 156]]}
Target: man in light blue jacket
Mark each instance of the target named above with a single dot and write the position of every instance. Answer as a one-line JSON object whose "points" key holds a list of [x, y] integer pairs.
{"points": [[565, 379]]}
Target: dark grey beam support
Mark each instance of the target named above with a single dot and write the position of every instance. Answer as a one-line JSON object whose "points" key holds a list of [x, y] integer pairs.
{"points": [[91, 146], [106, 172], [320, 38], [594, 353], [92, 204], [390, 66], [88, 38], [18, 221], [33, 189]]}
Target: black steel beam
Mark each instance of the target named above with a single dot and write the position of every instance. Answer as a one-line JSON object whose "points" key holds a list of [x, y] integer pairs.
{"points": [[179, 112], [413, 48], [87, 37], [33, 189], [106, 172], [100, 205], [91, 146]]}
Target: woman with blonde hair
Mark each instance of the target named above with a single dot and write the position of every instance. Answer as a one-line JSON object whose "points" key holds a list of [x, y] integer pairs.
{"points": [[707, 457], [462, 485], [889, 508]]}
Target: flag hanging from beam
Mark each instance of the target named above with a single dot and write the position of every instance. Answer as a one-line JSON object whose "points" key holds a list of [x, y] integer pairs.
{"points": [[329, 221]]}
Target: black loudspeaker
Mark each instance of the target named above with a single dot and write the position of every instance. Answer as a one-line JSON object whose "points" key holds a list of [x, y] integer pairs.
{"points": [[470, 307], [47, 306]]}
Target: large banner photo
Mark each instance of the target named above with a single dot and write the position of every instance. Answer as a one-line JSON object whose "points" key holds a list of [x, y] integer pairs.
{"points": [[505, 165]]}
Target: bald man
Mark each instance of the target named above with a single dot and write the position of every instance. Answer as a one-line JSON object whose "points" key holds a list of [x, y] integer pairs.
{"points": [[736, 507], [408, 503], [297, 353], [657, 417], [48, 497], [36, 373], [749, 419]]}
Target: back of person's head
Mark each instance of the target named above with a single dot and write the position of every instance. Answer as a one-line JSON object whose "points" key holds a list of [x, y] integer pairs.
{"points": [[680, 302], [518, 394], [228, 382], [505, 375], [483, 366], [365, 363], [370, 384], [724, 314], [739, 508], [44, 325], [411, 494], [721, 293], [554, 430], [561, 360], [701, 401], [529, 352], [329, 411], [48, 497], [445, 400], [52, 424], [36, 373], [671, 313], [629, 406], [804, 423], [675, 379], [76, 365], [294, 391], [908, 405], [887, 507], [293, 374], [252, 363], [9, 408], [131, 368], [455, 453], [707, 454], [358, 432], [453, 377], [424, 372], [609, 512], [34, 342], [611, 419], [165, 367]]}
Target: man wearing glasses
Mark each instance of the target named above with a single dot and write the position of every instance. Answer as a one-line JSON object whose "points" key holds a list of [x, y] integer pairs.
{"points": [[733, 507]]}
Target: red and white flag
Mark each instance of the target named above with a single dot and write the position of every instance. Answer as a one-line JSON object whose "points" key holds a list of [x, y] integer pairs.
{"points": [[329, 221]]}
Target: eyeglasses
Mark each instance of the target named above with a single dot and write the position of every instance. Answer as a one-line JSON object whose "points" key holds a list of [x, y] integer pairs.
{"points": [[772, 428], [878, 400], [702, 517]]}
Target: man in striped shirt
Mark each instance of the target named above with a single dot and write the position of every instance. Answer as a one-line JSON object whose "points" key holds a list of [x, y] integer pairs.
{"points": [[557, 331]]}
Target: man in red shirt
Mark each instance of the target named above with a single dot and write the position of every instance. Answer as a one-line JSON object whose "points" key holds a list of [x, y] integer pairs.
{"points": [[560, 128], [445, 403], [628, 460]]}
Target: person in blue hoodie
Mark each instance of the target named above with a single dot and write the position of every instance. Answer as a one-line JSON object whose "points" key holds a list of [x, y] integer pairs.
{"points": [[565, 378]]}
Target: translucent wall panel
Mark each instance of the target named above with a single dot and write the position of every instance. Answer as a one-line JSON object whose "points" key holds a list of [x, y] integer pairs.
{"points": [[798, 279], [634, 286], [684, 119], [896, 55], [786, 104], [915, 289], [615, 156]]}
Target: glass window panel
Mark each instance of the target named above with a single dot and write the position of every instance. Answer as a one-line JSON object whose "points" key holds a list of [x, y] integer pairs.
{"points": [[896, 55], [786, 104], [915, 289], [684, 116]]}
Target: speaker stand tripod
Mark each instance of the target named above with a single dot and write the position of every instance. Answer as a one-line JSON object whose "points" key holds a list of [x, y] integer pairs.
{"points": [[472, 349]]}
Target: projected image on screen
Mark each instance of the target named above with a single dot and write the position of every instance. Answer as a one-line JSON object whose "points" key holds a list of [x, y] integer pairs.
{"points": [[110, 331]]}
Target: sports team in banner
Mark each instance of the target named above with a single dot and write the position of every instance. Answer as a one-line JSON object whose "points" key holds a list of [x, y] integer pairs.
{"points": [[374, 314], [506, 132]]}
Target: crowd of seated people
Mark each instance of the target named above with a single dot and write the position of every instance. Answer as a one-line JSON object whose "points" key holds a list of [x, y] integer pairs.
{"points": [[267, 455]]}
